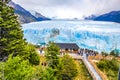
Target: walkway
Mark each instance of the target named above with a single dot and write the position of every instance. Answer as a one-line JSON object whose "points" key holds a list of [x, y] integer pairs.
{"points": [[91, 69], [88, 65], [75, 56]]}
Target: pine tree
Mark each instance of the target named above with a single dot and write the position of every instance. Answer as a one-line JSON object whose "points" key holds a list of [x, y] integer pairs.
{"points": [[11, 35]]}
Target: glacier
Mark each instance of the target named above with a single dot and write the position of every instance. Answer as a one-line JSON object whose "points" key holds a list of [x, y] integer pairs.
{"points": [[94, 35]]}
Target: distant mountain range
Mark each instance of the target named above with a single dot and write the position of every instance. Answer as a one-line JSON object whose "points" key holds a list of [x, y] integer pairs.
{"points": [[39, 17], [91, 17], [25, 16], [113, 16]]}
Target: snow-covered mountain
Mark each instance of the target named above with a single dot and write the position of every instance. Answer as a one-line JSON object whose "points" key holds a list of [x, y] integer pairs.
{"points": [[39, 16], [91, 17], [113, 16], [101, 36], [25, 16]]}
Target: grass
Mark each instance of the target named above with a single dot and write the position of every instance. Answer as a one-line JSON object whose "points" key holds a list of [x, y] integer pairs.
{"points": [[83, 72]]}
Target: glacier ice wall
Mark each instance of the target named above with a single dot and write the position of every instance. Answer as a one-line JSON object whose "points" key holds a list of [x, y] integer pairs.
{"points": [[95, 35]]}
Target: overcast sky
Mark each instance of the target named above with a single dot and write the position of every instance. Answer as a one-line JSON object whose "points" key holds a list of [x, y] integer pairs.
{"points": [[70, 8]]}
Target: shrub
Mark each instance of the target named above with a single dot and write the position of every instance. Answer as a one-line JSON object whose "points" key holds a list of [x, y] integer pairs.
{"points": [[16, 69], [68, 68], [44, 73], [31, 55], [110, 67]]}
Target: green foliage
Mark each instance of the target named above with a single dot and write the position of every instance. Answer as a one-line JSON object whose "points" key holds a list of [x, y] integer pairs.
{"points": [[16, 69], [44, 73], [11, 34], [31, 55], [83, 73], [67, 69], [63, 68], [11, 37], [103, 64], [12, 43], [52, 55], [110, 67], [108, 64], [104, 53]]}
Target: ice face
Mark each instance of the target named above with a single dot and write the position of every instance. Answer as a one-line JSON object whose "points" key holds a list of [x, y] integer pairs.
{"points": [[94, 35]]}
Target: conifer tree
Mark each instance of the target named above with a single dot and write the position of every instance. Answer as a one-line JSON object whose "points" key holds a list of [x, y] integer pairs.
{"points": [[11, 35]]}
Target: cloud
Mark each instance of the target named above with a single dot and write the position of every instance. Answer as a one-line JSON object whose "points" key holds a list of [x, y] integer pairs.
{"points": [[70, 8]]}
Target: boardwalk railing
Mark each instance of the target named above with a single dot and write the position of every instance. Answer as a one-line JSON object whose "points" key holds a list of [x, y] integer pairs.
{"points": [[91, 69], [88, 65], [103, 76], [93, 76]]}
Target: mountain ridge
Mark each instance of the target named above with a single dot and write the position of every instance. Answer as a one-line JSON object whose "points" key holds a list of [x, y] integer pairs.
{"points": [[25, 16], [113, 16]]}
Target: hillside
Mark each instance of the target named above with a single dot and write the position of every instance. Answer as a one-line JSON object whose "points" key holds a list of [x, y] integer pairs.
{"points": [[113, 16], [25, 16]]}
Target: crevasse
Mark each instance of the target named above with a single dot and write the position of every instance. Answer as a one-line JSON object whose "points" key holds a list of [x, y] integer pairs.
{"points": [[94, 35]]}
